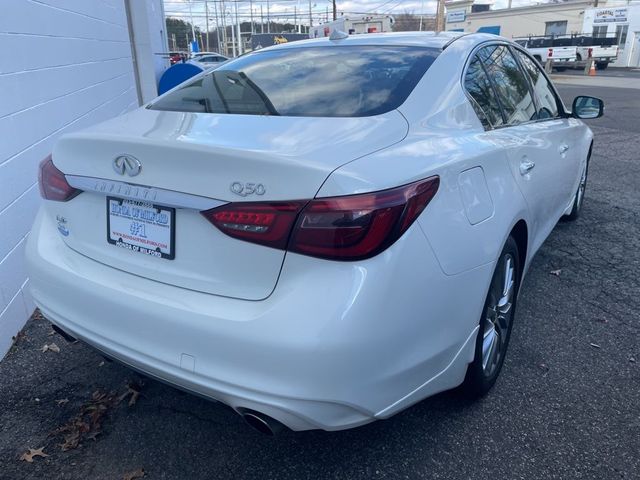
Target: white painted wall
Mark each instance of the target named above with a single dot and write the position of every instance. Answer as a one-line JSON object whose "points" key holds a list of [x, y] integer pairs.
{"points": [[65, 64], [628, 52]]}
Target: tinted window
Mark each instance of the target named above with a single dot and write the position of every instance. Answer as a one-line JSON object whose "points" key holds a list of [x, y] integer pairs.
{"points": [[547, 103], [338, 81], [477, 84], [511, 84]]}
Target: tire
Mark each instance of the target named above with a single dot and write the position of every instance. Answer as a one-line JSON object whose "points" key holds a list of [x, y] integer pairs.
{"points": [[578, 199], [495, 324], [560, 69], [602, 65]]}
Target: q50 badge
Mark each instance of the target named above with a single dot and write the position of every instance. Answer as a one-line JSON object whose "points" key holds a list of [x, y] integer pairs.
{"points": [[246, 189]]}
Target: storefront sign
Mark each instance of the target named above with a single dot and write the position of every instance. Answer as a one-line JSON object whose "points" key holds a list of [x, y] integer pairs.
{"points": [[610, 15], [457, 16]]}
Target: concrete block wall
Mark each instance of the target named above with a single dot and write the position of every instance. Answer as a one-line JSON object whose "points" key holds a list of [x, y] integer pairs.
{"points": [[65, 64]]}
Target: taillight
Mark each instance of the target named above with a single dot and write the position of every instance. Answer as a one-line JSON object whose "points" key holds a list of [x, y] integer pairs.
{"points": [[550, 52], [53, 184], [264, 223], [352, 227], [355, 227]]}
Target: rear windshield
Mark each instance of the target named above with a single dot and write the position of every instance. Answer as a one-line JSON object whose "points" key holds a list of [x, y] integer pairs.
{"points": [[339, 81]]}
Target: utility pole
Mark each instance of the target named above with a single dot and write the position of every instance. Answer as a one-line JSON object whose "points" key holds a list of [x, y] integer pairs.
{"points": [[215, 10], [193, 29], [223, 14], [233, 36], [310, 17], [335, 11], [261, 20], [440, 16], [268, 20], [239, 31], [251, 7], [206, 16]]}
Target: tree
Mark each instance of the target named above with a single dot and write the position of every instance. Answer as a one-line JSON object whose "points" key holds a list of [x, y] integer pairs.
{"points": [[181, 31], [410, 22]]}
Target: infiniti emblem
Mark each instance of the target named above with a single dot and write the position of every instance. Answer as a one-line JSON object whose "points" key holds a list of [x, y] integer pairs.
{"points": [[127, 164]]}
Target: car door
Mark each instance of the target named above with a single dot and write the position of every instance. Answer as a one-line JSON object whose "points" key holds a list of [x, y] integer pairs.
{"points": [[536, 137], [551, 110]]}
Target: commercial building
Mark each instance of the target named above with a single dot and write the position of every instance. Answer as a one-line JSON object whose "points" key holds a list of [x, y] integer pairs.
{"points": [[621, 22], [591, 17]]}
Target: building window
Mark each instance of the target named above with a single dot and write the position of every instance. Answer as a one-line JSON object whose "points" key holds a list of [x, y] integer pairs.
{"points": [[600, 32], [621, 34], [555, 28]]}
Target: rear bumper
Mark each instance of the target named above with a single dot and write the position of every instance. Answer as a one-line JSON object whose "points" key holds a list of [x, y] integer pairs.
{"points": [[335, 346]]}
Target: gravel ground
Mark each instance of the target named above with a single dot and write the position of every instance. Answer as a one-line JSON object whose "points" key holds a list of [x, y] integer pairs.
{"points": [[567, 405]]}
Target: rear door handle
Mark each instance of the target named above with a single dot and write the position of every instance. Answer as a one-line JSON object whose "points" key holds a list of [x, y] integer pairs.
{"points": [[526, 166], [563, 148]]}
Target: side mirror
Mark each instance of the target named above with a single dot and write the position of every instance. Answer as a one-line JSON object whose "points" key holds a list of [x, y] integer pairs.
{"points": [[587, 107]]}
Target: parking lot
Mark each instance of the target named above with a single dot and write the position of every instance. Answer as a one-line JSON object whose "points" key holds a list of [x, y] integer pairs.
{"points": [[566, 406]]}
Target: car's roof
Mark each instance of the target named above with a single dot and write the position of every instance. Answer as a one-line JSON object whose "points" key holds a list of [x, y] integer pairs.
{"points": [[423, 39]]}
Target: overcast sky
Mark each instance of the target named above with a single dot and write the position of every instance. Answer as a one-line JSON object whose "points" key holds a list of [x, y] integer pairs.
{"points": [[284, 9]]}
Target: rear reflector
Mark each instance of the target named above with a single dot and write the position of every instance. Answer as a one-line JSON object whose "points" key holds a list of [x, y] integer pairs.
{"points": [[352, 227], [53, 184]]}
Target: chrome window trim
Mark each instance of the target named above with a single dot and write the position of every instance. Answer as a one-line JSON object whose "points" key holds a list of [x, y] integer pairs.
{"points": [[132, 191]]}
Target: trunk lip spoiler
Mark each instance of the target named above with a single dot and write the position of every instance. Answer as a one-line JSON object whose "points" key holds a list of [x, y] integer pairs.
{"points": [[133, 191]]}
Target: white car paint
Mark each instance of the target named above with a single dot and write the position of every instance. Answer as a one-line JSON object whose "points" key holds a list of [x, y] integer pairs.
{"points": [[313, 343]]}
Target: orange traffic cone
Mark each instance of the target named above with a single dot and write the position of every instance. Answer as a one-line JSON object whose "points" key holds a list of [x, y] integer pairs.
{"points": [[592, 69]]}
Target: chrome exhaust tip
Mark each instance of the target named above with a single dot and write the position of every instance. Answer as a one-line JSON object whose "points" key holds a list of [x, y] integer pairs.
{"points": [[262, 423]]}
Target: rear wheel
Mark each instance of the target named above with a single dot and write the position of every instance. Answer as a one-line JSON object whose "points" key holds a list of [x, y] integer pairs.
{"points": [[495, 324], [602, 65]]}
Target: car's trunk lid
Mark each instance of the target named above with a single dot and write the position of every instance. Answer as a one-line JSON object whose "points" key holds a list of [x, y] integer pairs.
{"points": [[207, 159]]}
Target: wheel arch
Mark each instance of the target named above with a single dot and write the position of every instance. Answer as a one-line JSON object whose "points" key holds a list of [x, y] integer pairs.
{"points": [[520, 233]]}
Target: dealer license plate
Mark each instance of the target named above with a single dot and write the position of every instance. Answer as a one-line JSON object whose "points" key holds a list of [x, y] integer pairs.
{"points": [[141, 227]]}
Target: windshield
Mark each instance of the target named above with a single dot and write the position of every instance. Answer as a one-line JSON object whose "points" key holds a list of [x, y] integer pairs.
{"points": [[336, 81]]}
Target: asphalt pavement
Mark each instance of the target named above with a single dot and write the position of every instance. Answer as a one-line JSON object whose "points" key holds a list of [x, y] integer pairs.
{"points": [[567, 405]]}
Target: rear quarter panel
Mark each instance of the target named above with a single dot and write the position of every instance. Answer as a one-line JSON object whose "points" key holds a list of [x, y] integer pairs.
{"points": [[446, 139]]}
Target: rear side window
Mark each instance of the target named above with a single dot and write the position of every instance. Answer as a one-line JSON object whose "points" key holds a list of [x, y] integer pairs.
{"points": [[511, 84], [546, 98], [484, 101], [335, 81]]}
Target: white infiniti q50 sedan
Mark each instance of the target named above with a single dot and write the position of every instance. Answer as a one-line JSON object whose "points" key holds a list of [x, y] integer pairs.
{"points": [[318, 234]]}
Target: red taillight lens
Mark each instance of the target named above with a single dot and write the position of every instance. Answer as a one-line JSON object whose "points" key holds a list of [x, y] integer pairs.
{"points": [[550, 52], [352, 227], [264, 223], [53, 184], [360, 226]]}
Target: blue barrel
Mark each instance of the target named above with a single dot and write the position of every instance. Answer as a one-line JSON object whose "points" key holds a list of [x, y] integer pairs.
{"points": [[176, 74]]}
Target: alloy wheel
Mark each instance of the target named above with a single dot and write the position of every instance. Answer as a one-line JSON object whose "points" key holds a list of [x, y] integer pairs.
{"points": [[498, 315]]}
